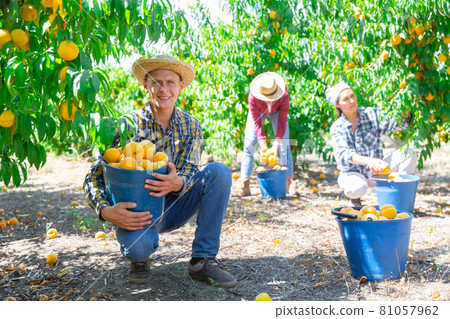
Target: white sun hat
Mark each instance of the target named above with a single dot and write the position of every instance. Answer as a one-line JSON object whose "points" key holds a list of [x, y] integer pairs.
{"points": [[268, 87], [333, 92]]}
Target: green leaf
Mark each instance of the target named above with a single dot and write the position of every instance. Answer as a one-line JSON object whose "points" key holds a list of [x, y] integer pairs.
{"points": [[18, 148], [24, 172], [51, 128], [5, 172], [106, 130], [84, 81], [42, 127], [15, 174], [95, 81], [42, 155], [32, 154]]}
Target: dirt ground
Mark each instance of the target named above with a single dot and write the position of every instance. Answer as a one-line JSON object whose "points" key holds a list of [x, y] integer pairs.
{"points": [[290, 249]]}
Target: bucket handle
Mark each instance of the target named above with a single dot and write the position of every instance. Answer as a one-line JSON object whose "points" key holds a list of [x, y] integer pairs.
{"points": [[380, 178], [335, 211]]}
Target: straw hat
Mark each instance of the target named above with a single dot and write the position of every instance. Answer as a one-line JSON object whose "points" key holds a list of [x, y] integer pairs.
{"points": [[163, 62], [268, 87]]}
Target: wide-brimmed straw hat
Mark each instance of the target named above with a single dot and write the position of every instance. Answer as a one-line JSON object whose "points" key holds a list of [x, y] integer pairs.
{"points": [[268, 87], [163, 62]]}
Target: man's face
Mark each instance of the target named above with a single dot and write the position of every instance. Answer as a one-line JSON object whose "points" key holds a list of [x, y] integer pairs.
{"points": [[163, 86]]}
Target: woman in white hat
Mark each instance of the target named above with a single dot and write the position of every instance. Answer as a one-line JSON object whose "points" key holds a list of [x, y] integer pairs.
{"points": [[268, 98], [358, 149]]}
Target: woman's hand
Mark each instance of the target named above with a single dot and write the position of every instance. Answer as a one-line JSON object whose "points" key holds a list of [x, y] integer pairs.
{"points": [[274, 148], [377, 165]]}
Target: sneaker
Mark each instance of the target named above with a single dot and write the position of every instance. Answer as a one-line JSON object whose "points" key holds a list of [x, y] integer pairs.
{"points": [[356, 201], [212, 271], [242, 188], [139, 272]]}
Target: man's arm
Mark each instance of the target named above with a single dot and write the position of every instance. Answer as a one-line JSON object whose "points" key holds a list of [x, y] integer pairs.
{"points": [[94, 188], [185, 165]]}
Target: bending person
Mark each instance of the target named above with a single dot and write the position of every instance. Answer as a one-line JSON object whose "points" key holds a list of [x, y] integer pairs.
{"points": [[356, 137], [268, 98]]}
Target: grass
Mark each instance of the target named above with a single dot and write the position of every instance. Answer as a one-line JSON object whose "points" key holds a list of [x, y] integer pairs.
{"points": [[86, 223]]}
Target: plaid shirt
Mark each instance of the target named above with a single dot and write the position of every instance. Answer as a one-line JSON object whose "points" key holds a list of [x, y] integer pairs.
{"points": [[365, 141], [182, 142]]}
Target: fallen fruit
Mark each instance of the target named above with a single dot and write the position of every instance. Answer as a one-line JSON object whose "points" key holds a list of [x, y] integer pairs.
{"points": [[263, 297], [100, 235], [51, 259], [12, 221], [52, 233]]}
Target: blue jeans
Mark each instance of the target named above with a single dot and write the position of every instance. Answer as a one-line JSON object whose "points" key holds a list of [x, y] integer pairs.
{"points": [[208, 197], [251, 141]]}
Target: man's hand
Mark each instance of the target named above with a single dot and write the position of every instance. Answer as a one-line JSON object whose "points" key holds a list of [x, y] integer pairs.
{"points": [[166, 184], [120, 216]]}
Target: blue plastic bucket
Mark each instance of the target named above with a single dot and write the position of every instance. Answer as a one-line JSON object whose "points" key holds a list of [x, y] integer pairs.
{"points": [[400, 194], [124, 185], [377, 250], [273, 183]]}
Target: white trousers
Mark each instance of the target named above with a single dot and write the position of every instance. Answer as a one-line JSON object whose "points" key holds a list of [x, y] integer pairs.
{"points": [[355, 185]]}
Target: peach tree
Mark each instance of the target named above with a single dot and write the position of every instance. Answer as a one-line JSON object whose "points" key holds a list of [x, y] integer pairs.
{"points": [[395, 55], [52, 57]]}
